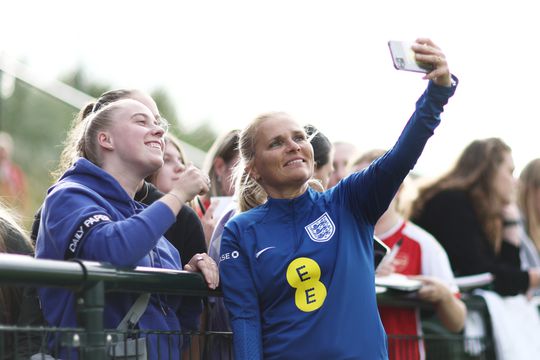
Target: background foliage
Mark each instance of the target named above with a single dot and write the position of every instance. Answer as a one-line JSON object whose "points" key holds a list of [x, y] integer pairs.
{"points": [[38, 124]]}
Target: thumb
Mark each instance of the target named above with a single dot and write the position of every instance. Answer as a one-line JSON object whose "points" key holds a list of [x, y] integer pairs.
{"points": [[424, 279], [189, 268]]}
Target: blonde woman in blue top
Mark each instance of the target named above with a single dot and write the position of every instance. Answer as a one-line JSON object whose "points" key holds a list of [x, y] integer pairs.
{"points": [[297, 272]]}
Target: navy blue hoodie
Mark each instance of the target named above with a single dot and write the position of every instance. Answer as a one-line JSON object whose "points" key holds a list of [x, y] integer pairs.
{"points": [[88, 215]]}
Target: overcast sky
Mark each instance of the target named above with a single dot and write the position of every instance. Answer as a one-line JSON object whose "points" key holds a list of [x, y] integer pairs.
{"points": [[324, 62]]}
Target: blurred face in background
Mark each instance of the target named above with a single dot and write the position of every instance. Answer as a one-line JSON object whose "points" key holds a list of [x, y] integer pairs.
{"points": [[323, 173], [173, 166], [504, 183], [224, 171], [343, 153]]}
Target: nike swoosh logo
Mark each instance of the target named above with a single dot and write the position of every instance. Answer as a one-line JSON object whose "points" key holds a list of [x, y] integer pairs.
{"points": [[259, 253]]}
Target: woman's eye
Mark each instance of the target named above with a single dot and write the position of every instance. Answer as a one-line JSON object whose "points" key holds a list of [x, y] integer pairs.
{"points": [[275, 143], [299, 138]]}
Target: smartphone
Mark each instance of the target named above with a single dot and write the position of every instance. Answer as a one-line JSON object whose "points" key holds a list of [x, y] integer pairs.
{"points": [[380, 250], [403, 57]]}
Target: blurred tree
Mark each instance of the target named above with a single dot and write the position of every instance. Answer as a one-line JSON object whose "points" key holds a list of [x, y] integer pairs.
{"points": [[79, 80], [38, 124], [202, 137]]}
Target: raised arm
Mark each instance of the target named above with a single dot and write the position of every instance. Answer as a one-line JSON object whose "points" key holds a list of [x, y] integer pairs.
{"points": [[383, 178]]}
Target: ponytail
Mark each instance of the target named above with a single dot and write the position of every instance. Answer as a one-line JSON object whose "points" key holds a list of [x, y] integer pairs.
{"points": [[248, 191]]}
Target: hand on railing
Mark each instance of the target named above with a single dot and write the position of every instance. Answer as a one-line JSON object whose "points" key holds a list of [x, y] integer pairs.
{"points": [[450, 310], [207, 266]]}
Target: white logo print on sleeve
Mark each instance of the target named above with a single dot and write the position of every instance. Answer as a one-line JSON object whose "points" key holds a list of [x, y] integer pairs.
{"points": [[227, 256], [322, 229]]}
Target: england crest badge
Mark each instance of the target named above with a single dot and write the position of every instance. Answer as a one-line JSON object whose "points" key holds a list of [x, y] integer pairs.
{"points": [[322, 229]]}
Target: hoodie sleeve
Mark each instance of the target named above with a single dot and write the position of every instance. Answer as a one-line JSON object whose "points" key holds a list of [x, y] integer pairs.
{"points": [[76, 222]]}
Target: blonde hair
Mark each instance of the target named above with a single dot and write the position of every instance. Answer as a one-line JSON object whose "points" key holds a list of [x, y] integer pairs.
{"points": [[14, 240], [88, 146], [528, 185], [249, 192], [170, 139], [9, 224], [71, 150]]}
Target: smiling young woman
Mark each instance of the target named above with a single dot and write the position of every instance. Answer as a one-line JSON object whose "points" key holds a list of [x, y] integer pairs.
{"points": [[90, 214]]}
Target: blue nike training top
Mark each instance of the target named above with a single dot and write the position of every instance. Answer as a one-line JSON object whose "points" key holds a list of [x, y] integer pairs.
{"points": [[298, 274]]}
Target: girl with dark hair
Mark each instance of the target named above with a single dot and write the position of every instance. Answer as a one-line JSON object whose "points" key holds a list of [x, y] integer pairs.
{"points": [[323, 152]]}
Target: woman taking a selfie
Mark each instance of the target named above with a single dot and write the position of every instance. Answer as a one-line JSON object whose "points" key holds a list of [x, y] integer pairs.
{"points": [[297, 272]]}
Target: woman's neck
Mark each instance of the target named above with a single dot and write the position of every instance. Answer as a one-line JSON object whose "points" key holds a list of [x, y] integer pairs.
{"points": [[288, 193], [129, 182]]}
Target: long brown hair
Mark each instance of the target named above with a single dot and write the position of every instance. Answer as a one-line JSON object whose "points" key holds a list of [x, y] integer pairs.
{"points": [[225, 147], [474, 173], [529, 183]]}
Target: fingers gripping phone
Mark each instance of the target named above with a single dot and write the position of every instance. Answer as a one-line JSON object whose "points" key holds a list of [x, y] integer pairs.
{"points": [[403, 57]]}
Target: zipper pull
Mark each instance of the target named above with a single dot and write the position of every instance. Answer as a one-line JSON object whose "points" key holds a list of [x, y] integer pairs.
{"points": [[162, 308]]}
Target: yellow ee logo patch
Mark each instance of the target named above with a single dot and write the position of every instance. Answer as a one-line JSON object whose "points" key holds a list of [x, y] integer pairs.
{"points": [[303, 274]]}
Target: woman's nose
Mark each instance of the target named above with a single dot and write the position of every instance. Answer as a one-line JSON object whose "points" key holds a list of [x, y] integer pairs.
{"points": [[180, 167], [293, 145], [158, 130]]}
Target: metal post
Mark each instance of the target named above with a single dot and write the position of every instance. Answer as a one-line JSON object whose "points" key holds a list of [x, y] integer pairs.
{"points": [[90, 310]]}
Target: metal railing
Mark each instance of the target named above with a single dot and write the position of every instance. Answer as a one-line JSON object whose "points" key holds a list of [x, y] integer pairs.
{"points": [[92, 280]]}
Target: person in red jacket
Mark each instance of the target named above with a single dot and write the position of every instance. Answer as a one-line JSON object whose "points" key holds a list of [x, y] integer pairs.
{"points": [[420, 256]]}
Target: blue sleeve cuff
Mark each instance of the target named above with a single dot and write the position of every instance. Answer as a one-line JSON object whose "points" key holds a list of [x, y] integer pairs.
{"points": [[442, 93]]}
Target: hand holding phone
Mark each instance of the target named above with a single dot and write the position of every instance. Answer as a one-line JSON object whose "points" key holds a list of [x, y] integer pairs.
{"points": [[403, 57], [390, 256], [380, 250]]}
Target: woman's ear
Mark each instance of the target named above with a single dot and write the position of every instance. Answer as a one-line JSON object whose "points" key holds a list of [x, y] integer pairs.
{"points": [[219, 166], [105, 140], [253, 173]]}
